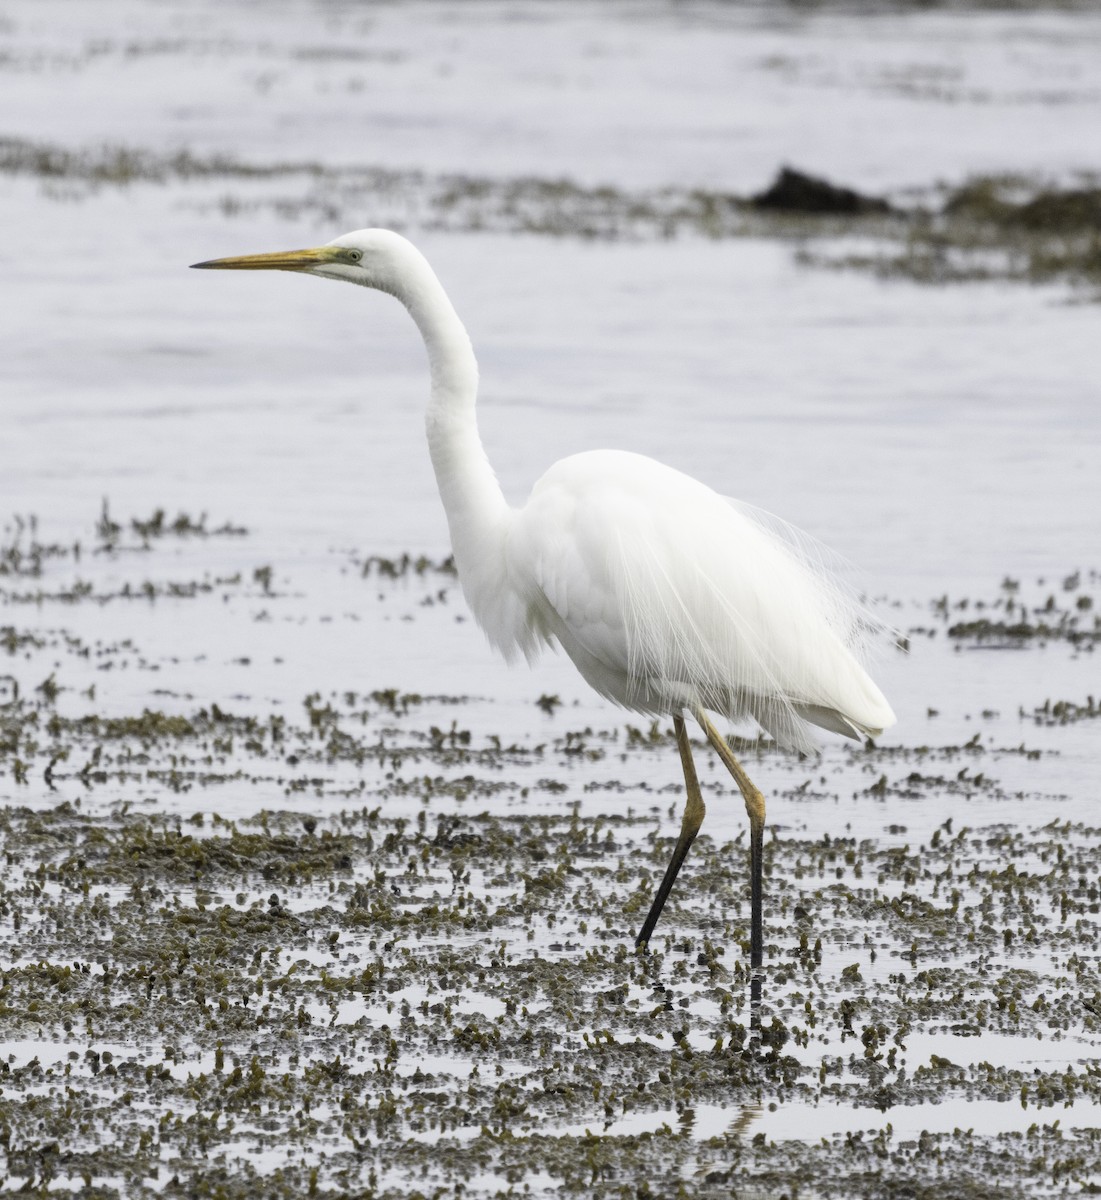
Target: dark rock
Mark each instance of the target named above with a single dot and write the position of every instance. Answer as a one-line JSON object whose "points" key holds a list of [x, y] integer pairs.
{"points": [[795, 192]]}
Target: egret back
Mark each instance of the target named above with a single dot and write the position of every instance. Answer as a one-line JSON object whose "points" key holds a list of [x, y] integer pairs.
{"points": [[666, 595]]}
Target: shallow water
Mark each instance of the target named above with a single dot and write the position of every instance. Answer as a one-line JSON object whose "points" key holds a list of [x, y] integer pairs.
{"points": [[943, 439]]}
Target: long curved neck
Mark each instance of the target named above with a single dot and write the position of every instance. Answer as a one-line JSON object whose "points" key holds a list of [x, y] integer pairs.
{"points": [[472, 499]]}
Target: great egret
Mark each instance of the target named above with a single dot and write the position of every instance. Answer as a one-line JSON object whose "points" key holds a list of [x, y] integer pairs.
{"points": [[668, 598]]}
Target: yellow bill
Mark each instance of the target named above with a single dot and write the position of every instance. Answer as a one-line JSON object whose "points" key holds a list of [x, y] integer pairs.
{"points": [[280, 260]]}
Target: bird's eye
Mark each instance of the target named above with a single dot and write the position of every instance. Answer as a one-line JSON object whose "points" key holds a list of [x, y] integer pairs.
{"points": [[353, 255]]}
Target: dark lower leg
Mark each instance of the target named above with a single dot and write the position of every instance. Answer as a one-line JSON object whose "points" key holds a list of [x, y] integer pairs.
{"points": [[690, 825], [755, 808], [756, 890]]}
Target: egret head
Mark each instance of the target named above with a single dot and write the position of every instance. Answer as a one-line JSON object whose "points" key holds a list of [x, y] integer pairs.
{"points": [[374, 258]]}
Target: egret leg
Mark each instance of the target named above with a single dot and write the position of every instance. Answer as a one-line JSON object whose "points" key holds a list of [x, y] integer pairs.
{"points": [[755, 807], [690, 825]]}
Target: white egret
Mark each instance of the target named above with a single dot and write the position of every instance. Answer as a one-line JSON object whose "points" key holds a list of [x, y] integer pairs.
{"points": [[669, 599]]}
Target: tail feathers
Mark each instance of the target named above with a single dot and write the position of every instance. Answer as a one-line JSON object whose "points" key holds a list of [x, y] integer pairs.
{"points": [[831, 719], [836, 722], [789, 724]]}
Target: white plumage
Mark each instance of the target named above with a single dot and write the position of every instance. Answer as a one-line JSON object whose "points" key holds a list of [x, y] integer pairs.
{"points": [[668, 598]]}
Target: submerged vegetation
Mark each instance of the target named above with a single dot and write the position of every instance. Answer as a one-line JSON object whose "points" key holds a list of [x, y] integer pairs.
{"points": [[24, 555], [1067, 612], [988, 227], [361, 944], [366, 1001]]}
